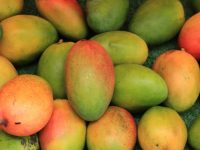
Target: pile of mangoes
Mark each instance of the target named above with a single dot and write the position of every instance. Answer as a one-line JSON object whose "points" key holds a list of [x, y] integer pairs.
{"points": [[91, 79]]}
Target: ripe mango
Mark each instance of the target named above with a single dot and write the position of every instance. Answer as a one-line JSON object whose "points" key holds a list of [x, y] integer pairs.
{"points": [[9, 142], [189, 36], [66, 15], [10, 8], [65, 130], [181, 72], [194, 134], [138, 87], [123, 47], [51, 67], [7, 71], [157, 21], [89, 79], [161, 128], [106, 15], [115, 130], [25, 37]]}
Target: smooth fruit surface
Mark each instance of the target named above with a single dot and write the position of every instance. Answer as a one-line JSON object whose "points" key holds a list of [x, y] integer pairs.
{"points": [[123, 47], [65, 130], [25, 37], [115, 130], [51, 67], [189, 36], [181, 72], [106, 15], [7, 71], [162, 128], [138, 87], [26, 105], [10, 8], [90, 78], [157, 21], [66, 15], [194, 134]]}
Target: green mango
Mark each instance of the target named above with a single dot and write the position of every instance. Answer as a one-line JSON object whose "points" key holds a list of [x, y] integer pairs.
{"points": [[106, 15], [9, 142], [194, 134], [10, 8], [138, 87], [25, 37], [157, 21], [196, 5], [51, 67], [123, 47], [89, 79]]}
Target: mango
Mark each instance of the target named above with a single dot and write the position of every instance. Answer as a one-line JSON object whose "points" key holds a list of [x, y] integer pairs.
{"points": [[25, 37], [157, 21], [10, 8], [66, 15], [162, 128], [7, 71], [123, 47], [0, 32], [196, 5], [106, 15], [26, 105], [138, 87], [89, 79], [115, 130], [189, 36], [194, 134], [51, 66], [9, 142], [65, 130], [181, 72]]}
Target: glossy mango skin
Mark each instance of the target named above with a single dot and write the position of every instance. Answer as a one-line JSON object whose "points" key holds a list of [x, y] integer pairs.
{"points": [[10, 8], [157, 21], [123, 47], [51, 67], [115, 130], [65, 129], [106, 15], [180, 71], [138, 87], [7, 71], [189, 36], [162, 128], [89, 79], [194, 134], [66, 15], [20, 45]]}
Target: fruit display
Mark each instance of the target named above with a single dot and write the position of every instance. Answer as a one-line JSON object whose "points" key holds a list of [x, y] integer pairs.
{"points": [[99, 75]]}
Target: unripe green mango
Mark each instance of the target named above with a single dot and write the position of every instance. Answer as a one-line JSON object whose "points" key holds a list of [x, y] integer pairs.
{"points": [[194, 134], [106, 15], [10, 8], [157, 21], [9, 142], [138, 87], [51, 67], [123, 47], [89, 78], [25, 37], [66, 15]]}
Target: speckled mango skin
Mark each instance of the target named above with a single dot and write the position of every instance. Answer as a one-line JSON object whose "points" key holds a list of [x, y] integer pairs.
{"points": [[65, 129], [20, 45], [115, 130], [180, 70], [89, 78], [10, 8], [66, 15]]}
